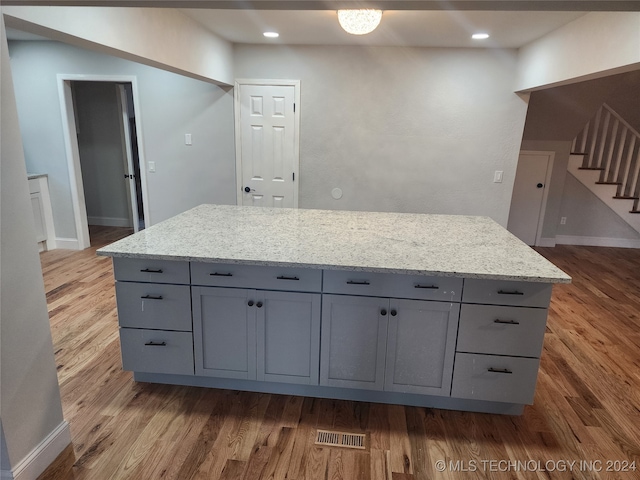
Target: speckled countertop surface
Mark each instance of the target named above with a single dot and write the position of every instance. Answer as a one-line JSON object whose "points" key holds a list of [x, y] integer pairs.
{"points": [[442, 245]]}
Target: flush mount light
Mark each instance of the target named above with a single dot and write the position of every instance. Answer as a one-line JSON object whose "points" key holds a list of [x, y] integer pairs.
{"points": [[271, 34], [480, 36], [359, 22]]}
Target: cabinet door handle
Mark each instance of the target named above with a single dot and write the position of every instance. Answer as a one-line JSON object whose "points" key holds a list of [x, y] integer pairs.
{"points": [[506, 322], [216, 274], [154, 344], [383, 312], [430, 287], [507, 292], [151, 270], [353, 282], [394, 313], [250, 303], [498, 370], [152, 297], [282, 277], [259, 304]]}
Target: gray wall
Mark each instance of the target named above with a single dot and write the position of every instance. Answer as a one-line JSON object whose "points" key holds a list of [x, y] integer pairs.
{"points": [[588, 216], [30, 407], [401, 129], [99, 127], [170, 106]]}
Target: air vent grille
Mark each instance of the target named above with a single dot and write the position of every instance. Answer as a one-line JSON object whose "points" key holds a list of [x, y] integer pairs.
{"points": [[341, 439]]}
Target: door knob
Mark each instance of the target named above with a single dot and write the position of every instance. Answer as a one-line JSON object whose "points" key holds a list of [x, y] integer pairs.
{"points": [[540, 185], [247, 189]]}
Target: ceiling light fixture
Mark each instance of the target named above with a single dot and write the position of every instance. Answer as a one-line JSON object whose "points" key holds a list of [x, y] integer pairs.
{"points": [[359, 22], [271, 34], [480, 36]]}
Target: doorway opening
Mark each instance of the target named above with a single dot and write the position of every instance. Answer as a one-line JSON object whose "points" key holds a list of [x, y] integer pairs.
{"points": [[104, 152]]}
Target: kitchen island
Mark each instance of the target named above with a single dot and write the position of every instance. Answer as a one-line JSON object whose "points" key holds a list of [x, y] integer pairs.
{"points": [[431, 310]]}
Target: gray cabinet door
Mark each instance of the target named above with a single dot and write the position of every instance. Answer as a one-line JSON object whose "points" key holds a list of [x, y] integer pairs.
{"points": [[421, 346], [353, 347], [224, 331], [289, 337]]}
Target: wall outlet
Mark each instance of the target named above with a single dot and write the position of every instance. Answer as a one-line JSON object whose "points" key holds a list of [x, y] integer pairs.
{"points": [[563, 220], [497, 176], [152, 167]]}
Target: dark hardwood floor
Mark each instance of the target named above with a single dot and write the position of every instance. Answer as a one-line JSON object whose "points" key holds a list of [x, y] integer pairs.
{"points": [[586, 410]]}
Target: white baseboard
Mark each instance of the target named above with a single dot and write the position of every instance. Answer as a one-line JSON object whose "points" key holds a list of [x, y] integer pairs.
{"points": [[597, 241], [42, 456], [546, 242], [109, 221], [67, 243]]}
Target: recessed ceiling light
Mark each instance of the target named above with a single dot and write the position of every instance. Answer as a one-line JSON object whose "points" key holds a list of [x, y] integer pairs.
{"points": [[480, 36], [271, 34]]}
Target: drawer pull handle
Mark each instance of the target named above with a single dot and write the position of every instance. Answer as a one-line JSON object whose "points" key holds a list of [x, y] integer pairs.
{"points": [[394, 313], [259, 304], [383, 312], [154, 344], [430, 287], [506, 322], [499, 370], [152, 297], [507, 292], [216, 274], [282, 277], [250, 303], [151, 270], [353, 282]]}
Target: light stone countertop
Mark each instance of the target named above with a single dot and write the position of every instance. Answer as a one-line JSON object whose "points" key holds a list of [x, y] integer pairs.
{"points": [[441, 245]]}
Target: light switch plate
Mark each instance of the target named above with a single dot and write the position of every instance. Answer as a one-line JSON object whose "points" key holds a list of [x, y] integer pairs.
{"points": [[497, 176], [152, 167], [187, 139]]}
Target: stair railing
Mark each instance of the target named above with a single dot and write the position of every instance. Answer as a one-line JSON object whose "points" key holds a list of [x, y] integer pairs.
{"points": [[608, 143]]}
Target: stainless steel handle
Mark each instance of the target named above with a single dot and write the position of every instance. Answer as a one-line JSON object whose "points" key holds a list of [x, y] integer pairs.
{"points": [[430, 287], [154, 344], [282, 277], [353, 282], [507, 292], [152, 297], [150, 270]]}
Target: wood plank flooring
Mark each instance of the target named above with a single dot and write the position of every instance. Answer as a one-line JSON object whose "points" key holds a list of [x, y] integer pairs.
{"points": [[587, 403]]}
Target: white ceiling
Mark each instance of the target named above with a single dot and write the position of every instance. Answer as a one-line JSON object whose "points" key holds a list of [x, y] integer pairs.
{"points": [[416, 28]]}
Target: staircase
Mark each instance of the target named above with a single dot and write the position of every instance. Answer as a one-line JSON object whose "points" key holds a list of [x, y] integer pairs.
{"points": [[605, 157]]}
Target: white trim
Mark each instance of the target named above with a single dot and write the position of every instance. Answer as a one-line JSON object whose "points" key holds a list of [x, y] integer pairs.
{"points": [[547, 242], [597, 241], [73, 156], [37, 461], [296, 141], [110, 221], [545, 193], [67, 243]]}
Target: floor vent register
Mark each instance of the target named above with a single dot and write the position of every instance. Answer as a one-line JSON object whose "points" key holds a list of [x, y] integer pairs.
{"points": [[340, 439]]}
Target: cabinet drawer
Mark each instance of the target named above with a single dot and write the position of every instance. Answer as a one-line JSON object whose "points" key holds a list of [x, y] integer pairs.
{"points": [[392, 285], [146, 270], [494, 378], [516, 331], [156, 351], [498, 292], [250, 276], [154, 306]]}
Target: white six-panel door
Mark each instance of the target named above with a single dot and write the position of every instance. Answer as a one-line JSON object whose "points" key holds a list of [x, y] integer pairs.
{"points": [[267, 146]]}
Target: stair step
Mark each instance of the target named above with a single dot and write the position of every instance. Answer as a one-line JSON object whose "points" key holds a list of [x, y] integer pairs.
{"points": [[591, 168], [608, 183], [624, 197]]}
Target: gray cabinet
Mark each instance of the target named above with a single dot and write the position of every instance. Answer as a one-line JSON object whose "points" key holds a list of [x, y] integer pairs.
{"points": [[256, 335], [224, 323], [289, 337], [354, 333], [421, 346]]}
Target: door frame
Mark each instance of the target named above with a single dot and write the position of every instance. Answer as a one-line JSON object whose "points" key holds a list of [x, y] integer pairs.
{"points": [[296, 137], [545, 194], [67, 111]]}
